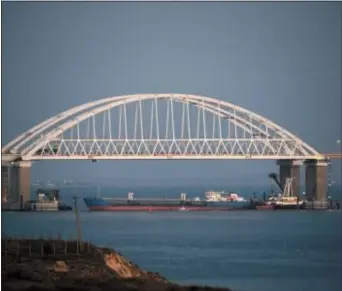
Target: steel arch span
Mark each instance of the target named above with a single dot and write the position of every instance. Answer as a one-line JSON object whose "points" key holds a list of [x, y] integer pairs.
{"points": [[158, 126]]}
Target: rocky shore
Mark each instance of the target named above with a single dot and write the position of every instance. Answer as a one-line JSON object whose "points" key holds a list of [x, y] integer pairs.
{"points": [[68, 265]]}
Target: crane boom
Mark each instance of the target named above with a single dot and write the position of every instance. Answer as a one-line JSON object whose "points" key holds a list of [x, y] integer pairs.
{"points": [[274, 177]]}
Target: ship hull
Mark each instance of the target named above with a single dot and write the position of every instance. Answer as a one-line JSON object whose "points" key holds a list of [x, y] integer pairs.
{"points": [[162, 208], [103, 205], [280, 206], [265, 207], [288, 207]]}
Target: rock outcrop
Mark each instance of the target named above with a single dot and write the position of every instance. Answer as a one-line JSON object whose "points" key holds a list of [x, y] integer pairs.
{"points": [[60, 265]]}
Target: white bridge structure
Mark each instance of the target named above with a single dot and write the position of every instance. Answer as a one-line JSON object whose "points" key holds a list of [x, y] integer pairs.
{"points": [[159, 126]]}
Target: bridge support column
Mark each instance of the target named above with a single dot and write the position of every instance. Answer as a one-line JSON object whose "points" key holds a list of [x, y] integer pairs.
{"points": [[16, 183], [290, 169], [4, 182], [316, 180]]}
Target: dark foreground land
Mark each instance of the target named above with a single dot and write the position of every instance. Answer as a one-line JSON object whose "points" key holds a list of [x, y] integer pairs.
{"points": [[67, 265]]}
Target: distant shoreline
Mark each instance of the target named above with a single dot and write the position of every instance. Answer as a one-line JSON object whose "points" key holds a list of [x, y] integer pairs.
{"points": [[168, 186]]}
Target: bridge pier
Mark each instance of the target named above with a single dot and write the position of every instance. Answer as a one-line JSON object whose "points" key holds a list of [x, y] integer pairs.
{"points": [[15, 183], [290, 169], [316, 182], [4, 182]]}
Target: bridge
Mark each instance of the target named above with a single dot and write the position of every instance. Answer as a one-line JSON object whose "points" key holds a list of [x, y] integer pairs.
{"points": [[161, 126], [333, 156]]}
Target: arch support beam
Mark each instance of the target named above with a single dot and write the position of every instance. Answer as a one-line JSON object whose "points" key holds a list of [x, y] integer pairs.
{"points": [[316, 180], [290, 169]]}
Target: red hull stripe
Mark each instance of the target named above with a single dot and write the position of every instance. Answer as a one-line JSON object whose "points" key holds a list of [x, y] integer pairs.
{"points": [[265, 207], [157, 208]]}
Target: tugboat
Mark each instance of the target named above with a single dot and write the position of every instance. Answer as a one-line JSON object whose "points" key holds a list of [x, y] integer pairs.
{"points": [[287, 200], [284, 200], [47, 200]]}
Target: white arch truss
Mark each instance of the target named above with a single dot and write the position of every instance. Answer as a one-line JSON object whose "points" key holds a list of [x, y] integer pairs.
{"points": [[159, 126]]}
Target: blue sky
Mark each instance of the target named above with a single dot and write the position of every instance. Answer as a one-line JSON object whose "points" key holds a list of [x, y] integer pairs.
{"points": [[281, 60]]}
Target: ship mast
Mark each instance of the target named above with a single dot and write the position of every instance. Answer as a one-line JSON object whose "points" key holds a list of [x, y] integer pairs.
{"points": [[288, 188]]}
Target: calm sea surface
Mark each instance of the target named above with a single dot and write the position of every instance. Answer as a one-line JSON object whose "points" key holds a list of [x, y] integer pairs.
{"points": [[247, 251]]}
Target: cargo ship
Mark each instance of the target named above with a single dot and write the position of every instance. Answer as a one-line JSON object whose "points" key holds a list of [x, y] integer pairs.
{"points": [[213, 201]]}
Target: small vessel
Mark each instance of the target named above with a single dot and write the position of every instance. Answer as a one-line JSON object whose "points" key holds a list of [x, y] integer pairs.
{"points": [[182, 209], [213, 201], [284, 200], [50, 184], [47, 200], [36, 184]]}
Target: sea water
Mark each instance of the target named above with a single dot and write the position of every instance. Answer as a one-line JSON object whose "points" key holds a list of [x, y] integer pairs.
{"points": [[243, 250]]}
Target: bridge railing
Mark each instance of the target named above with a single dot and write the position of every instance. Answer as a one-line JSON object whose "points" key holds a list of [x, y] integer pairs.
{"points": [[174, 147]]}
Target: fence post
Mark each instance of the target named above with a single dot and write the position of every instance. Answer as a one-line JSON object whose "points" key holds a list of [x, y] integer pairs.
{"points": [[77, 245], [54, 249], [6, 249]]}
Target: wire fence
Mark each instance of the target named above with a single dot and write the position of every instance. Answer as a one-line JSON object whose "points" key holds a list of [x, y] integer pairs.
{"points": [[44, 247]]}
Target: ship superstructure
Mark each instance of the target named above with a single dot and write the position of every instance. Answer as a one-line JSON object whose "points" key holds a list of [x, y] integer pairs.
{"points": [[215, 196]]}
